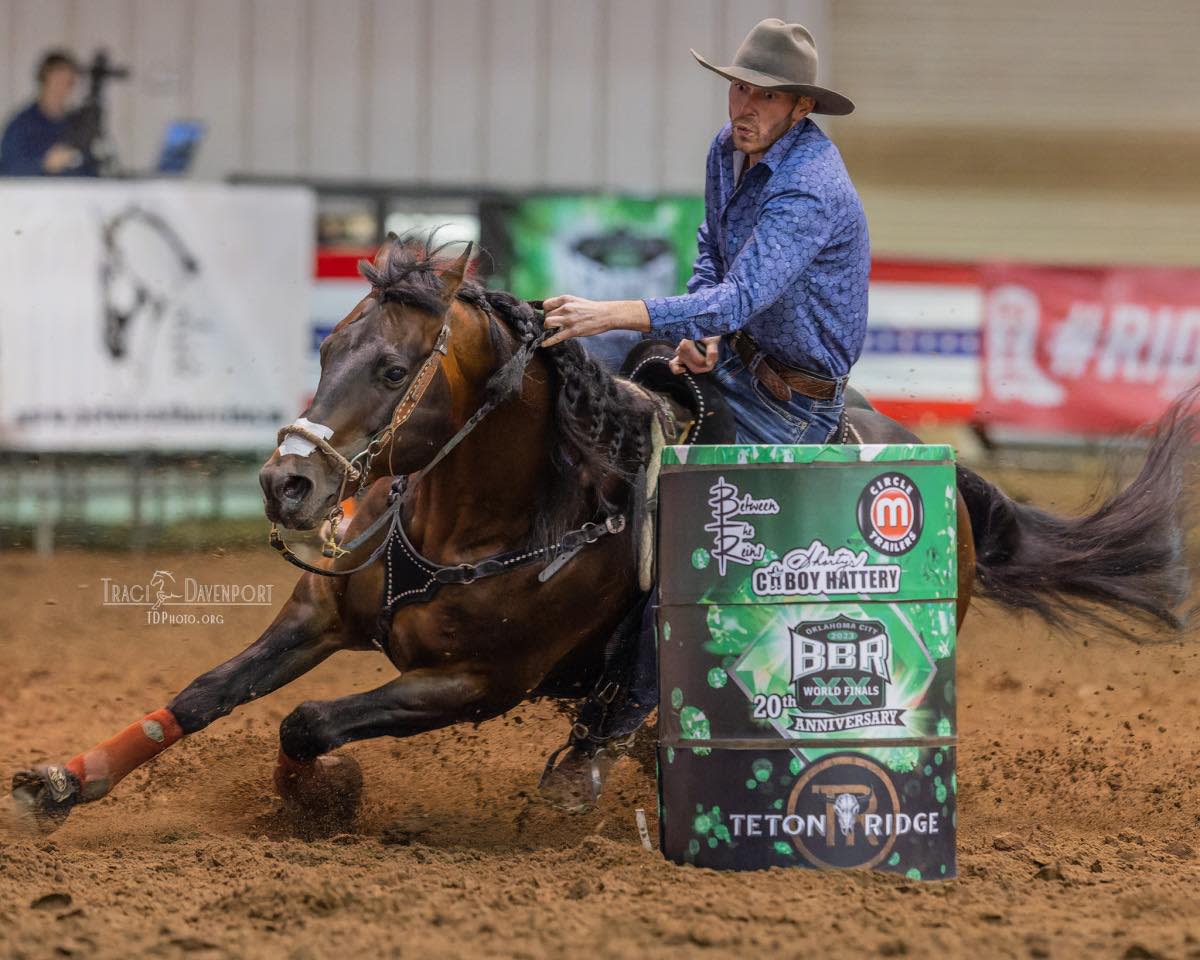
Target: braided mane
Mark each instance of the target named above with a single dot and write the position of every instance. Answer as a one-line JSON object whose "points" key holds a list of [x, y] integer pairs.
{"points": [[601, 438]]}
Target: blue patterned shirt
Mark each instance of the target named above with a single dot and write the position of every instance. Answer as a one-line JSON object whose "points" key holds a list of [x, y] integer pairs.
{"points": [[784, 254]]}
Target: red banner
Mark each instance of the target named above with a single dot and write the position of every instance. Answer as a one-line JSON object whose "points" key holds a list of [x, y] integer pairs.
{"points": [[1087, 351]]}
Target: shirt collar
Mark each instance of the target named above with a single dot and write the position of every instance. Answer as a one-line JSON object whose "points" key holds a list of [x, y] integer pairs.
{"points": [[739, 161]]}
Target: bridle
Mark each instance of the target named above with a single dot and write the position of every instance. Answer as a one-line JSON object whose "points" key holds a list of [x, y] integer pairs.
{"points": [[352, 471]]}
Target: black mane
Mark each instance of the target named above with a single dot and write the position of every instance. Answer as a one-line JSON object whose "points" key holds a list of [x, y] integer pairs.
{"points": [[601, 430], [411, 275]]}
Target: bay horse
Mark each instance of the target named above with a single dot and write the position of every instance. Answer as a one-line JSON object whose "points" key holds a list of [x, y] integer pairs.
{"points": [[493, 552]]}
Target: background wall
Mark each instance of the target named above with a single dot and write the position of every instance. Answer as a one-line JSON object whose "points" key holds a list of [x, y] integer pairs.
{"points": [[1055, 67], [588, 93], [1065, 132]]}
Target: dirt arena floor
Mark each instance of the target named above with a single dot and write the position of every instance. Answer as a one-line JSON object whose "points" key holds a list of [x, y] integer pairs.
{"points": [[1079, 812]]}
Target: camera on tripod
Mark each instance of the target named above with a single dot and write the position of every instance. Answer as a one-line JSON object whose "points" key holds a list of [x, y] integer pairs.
{"points": [[87, 130]]}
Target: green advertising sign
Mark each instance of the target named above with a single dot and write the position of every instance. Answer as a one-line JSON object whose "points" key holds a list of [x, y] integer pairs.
{"points": [[799, 672], [792, 524], [601, 247], [890, 808], [806, 641]]}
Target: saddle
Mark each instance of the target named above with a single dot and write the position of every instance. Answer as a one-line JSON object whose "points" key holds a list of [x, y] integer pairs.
{"points": [[707, 418]]}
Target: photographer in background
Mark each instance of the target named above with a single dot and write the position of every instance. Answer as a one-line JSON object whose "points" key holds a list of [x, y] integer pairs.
{"points": [[36, 141]]}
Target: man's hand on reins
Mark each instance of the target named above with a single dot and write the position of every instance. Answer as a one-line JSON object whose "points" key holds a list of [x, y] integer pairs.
{"points": [[698, 356], [576, 317]]}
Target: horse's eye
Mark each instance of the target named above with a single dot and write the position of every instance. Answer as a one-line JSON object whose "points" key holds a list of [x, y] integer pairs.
{"points": [[395, 375]]}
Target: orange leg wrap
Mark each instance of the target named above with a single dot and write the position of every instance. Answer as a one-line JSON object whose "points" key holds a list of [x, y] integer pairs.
{"points": [[104, 766]]}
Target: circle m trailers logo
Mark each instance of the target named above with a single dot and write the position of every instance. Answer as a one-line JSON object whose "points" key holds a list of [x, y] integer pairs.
{"points": [[891, 513]]}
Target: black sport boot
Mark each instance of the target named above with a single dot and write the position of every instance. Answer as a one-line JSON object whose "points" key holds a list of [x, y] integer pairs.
{"points": [[608, 718]]}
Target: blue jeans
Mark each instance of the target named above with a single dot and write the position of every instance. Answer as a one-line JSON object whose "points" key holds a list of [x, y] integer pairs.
{"points": [[760, 418]]}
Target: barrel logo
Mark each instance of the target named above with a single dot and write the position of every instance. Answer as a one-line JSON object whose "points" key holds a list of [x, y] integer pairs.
{"points": [[856, 806], [733, 538], [817, 570], [891, 513], [841, 670]]}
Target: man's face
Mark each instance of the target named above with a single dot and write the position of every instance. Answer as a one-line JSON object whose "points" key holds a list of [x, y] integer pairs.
{"points": [[57, 89], [761, 116]]}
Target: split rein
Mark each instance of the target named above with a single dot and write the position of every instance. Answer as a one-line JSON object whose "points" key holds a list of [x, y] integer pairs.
{"points": [[392, 517]]}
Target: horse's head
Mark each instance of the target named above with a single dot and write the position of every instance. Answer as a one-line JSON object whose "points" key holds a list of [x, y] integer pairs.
{"points": [[379, 370]]}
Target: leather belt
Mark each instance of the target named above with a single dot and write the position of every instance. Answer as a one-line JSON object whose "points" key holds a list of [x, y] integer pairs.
{"points": [[780, 379]]}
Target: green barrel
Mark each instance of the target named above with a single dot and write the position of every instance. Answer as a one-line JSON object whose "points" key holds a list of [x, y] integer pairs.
{"points": [[806, 639]]}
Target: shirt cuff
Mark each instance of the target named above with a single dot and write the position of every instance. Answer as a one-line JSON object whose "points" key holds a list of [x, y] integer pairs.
{"points": [[669, 311]]}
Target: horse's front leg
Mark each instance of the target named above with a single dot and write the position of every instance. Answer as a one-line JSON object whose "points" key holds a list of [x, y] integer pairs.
{"points": [[302, 635], [312, 782]]}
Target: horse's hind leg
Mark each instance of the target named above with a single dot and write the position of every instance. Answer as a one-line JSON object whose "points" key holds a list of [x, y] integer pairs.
{"points": [[300, 638], [312, 783]]}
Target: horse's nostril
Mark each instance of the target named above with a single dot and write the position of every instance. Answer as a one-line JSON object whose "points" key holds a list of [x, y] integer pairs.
{"points": [[295, 488]]}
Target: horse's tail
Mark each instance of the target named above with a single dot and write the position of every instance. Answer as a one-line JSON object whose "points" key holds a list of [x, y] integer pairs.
{"points": [[1129, 554]]}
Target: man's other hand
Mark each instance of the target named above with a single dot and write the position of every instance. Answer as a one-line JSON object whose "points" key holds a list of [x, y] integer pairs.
{"points": [[570, 316], [698, 356], [60, 157]]}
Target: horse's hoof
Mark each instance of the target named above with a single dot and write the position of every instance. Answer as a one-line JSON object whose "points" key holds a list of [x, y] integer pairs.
{"points": [[45, 795], [326, 790]]}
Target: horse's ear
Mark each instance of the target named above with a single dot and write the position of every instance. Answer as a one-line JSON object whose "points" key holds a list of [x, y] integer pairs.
{"points": [[452, 278]]}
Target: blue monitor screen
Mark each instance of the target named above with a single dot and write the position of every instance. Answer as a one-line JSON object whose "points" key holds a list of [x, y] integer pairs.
{"points": [[179, 145]]}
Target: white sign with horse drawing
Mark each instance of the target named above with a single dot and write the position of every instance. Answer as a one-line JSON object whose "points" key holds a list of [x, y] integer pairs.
{"points": [[151, 315]]}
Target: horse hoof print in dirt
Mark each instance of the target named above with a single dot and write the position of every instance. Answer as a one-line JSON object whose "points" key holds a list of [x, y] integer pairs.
{"points": [[493, 552]]}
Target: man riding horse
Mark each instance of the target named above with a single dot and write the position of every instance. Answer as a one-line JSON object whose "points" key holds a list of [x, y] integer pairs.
{"points": [[776, 307]]}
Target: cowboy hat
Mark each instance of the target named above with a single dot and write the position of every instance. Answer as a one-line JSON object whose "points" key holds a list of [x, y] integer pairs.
{"points": [[781, 56]]}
